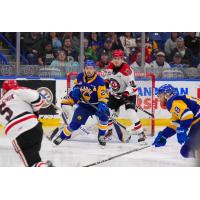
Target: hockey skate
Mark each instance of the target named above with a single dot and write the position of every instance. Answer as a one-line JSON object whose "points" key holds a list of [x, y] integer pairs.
{"points": [[142, 137], [102, 140]]}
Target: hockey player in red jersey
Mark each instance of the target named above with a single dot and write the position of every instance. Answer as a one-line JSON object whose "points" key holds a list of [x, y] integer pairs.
{"points": [[19, 107], [120, 79]]}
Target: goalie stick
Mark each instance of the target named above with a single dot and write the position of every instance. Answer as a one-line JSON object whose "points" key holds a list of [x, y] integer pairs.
{"points": [[119, 155]]}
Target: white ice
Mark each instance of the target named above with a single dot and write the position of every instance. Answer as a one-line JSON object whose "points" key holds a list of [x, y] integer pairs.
{"points": [[84, 149]]}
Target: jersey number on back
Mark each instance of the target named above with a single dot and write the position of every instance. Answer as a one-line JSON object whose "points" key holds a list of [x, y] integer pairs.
{"points": [[4, 110]]}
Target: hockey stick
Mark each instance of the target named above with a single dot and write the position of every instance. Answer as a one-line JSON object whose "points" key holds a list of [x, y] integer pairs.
{"points": [[148, 113], [119, 155]]}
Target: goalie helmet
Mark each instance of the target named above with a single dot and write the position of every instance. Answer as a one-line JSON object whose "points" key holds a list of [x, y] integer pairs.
{"points": [[8, 85], [167, 88]]}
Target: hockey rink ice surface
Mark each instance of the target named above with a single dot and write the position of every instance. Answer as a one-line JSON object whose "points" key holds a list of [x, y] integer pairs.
{"points": [[84, 150]]}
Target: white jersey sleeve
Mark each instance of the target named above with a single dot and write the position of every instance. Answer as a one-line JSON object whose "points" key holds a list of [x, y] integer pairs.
{"points": [[32, 97], [131, 84]]}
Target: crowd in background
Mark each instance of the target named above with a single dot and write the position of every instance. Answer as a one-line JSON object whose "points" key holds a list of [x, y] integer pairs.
{"points": [[162, 50]]}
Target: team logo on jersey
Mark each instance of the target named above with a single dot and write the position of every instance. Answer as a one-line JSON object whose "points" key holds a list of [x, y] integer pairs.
{"points": [[86, 93], [79, 117], [114, 84], [47, 96]]}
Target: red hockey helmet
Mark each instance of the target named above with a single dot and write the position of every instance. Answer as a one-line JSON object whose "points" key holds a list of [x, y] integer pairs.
{"points": [[8, 85], [118, 53]]}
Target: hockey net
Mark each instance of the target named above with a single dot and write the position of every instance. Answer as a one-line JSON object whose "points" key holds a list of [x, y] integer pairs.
{"points": [[146, 98]]}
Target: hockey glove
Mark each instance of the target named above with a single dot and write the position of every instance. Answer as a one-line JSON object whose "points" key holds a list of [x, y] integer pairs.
{"points": [[182, 136], [76, 93], [102, 109], [125, 95], [160, 140]]}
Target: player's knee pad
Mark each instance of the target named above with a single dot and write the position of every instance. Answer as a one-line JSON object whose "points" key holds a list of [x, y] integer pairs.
{"points": [[104, 118], [187, 152]]}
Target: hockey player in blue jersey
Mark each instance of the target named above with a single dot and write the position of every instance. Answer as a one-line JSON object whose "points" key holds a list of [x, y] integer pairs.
{"points": [[185, 121], [89, 89]]}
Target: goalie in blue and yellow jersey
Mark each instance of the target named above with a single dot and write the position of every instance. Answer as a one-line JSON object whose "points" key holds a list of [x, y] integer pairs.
{"points": [[185, 121], [89, 89]]}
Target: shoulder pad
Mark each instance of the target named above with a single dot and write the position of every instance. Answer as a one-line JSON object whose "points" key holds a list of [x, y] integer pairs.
{"points": [[110, 65], [172, 99], [100, 80], [126, 70], [80, 76]]}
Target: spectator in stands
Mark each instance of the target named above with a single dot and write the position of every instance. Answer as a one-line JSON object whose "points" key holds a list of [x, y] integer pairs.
{"points": [[138, 62], [75, 39], [170, 44], [138, 49], [47, 56], [89, 52], [69, 51], [160, 61], [73, 66], [60, 63], [108, 48], [32, 46], [94, 41], [116, 42], [193, 43], [103, 62], [56, 43], [128, 42], [185, 52], [177, 61]]}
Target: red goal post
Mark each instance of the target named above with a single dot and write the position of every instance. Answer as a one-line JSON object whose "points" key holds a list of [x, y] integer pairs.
{"points": [[143, 81]]}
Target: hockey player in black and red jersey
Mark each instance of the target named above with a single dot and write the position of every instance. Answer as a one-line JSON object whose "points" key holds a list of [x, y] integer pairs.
{"points": [[19, 111], [123, 91]]}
